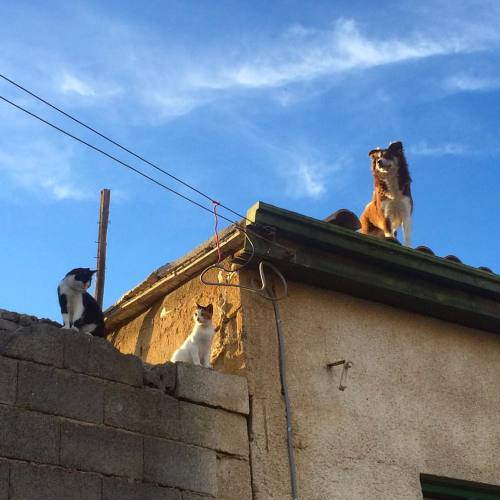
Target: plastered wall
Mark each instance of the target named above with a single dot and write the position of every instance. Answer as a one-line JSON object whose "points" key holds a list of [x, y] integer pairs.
{"points": [[158, 332], [422, 396]]}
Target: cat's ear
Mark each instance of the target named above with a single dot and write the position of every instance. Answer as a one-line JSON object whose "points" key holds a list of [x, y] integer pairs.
{"points": [[198, 306], [210, 308]]}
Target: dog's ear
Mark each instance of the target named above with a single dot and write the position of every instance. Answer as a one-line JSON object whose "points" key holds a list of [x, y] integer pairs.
{"points": [[396, 146]]}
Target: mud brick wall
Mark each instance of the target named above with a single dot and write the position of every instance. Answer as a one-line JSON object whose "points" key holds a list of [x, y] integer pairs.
{"points": [[81, 421]]}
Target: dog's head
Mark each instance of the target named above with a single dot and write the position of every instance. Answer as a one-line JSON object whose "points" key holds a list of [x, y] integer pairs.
{"points": [[388, 160]]}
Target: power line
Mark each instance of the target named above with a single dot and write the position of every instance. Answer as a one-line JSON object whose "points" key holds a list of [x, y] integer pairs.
{"points": [[139, 172], [95, 148], [100, 134]]}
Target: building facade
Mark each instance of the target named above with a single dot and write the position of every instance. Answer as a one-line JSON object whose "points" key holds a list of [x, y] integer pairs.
{"points": [[392, 358]]}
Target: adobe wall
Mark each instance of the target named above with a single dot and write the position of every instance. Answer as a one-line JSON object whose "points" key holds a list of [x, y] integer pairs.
{"points": [[422, 397], [157, 333], [79, 420]]}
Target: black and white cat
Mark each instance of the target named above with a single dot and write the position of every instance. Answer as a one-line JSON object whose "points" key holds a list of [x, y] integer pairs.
{"points": [[79, 309], [197, 348]]}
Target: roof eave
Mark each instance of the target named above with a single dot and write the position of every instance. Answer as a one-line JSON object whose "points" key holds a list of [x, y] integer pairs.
{"points": [[329, 256]]}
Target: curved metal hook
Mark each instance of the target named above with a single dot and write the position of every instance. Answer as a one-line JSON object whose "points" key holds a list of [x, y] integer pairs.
{"points": [[259, 291]]}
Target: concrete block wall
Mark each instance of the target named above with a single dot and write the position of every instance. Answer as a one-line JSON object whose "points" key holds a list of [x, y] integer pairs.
{"points": [[80, 420]]}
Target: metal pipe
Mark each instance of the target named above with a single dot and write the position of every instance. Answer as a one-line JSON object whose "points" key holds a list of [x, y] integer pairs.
{"points": [[288, 409]]}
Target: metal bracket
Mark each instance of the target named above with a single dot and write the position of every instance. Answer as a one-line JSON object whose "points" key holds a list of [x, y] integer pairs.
{"points": [[272, 249], [343, 375]]}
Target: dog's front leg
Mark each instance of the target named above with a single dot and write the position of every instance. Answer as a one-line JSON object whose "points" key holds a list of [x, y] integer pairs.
{"points": [[407, 231], [388, 232]]}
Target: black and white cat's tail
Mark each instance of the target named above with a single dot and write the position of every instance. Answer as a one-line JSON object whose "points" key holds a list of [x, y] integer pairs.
{"points": [[92, 320]]}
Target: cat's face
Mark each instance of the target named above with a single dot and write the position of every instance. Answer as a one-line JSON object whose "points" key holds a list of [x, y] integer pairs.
{"points": [[80, 278], [203, 314]]}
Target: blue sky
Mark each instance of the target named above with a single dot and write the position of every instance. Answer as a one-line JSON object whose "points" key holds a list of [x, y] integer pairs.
{"points": [[274, 101]]}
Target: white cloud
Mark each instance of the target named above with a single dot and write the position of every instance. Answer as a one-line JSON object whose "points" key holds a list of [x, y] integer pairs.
{"points": [[40, 168], [155, 81], [170, 104], [151, 81], [302, 55], [86, 87], [292, 65], [471, 83], [306, 174], [307, 180], [450, 148], [72, 84]]}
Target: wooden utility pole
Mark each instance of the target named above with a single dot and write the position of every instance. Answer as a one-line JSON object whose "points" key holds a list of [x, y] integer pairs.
{"points": [[101, 246]]}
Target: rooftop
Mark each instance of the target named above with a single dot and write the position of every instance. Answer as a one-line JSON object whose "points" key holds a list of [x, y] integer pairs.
{"points": [[330, 254]]}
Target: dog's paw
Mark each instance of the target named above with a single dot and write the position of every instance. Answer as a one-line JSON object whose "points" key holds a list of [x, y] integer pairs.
{"points": [[391, 239]]}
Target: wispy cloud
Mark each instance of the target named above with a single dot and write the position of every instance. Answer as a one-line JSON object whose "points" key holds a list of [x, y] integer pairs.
{"points": [[167, 81], [450, 148], [307, 180], [87, 87], [299, 56], [71, 83], [305, 172], [307, 54], [471, 83], [40, 168], [145, 80]]}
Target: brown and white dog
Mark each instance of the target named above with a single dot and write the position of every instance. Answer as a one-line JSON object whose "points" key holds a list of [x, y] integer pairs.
{"points": [[392, 204]]}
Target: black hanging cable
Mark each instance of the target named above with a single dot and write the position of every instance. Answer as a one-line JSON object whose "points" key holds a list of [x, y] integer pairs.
{"points": [[95, 148], [137, 171], [100, 134]]}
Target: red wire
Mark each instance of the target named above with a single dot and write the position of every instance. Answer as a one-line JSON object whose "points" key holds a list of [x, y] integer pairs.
{"points": [[216, 203]]}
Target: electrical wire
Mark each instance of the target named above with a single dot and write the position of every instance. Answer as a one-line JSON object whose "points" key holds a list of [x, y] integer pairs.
{"points": [[95, 148], [288, 406], [134, 169], [112, 141], [264, 292], [259, 291]]}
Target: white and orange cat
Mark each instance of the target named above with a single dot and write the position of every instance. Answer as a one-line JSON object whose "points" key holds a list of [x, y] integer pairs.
{"points": [[197, 348]]}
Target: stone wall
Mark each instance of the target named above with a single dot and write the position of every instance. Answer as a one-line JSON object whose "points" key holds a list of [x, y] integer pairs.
{"points": [[80, 420]]}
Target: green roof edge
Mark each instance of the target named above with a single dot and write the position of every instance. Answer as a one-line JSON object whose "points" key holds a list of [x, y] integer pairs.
{"points": [[332, 257]]}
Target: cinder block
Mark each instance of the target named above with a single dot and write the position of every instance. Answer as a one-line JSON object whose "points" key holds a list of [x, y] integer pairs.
{"points": [[162, 376], [41, 343], [76, 351], [210, 387], [143, 410], [29, 436], [9, 315], [106, 361], [60, 392], [179, 465], [10, 326], [233, 479], [31, 482], [121, 489], [214, 428], [8, 380], [97, 449], [187, 495], [4, 480], [96, 356]]}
